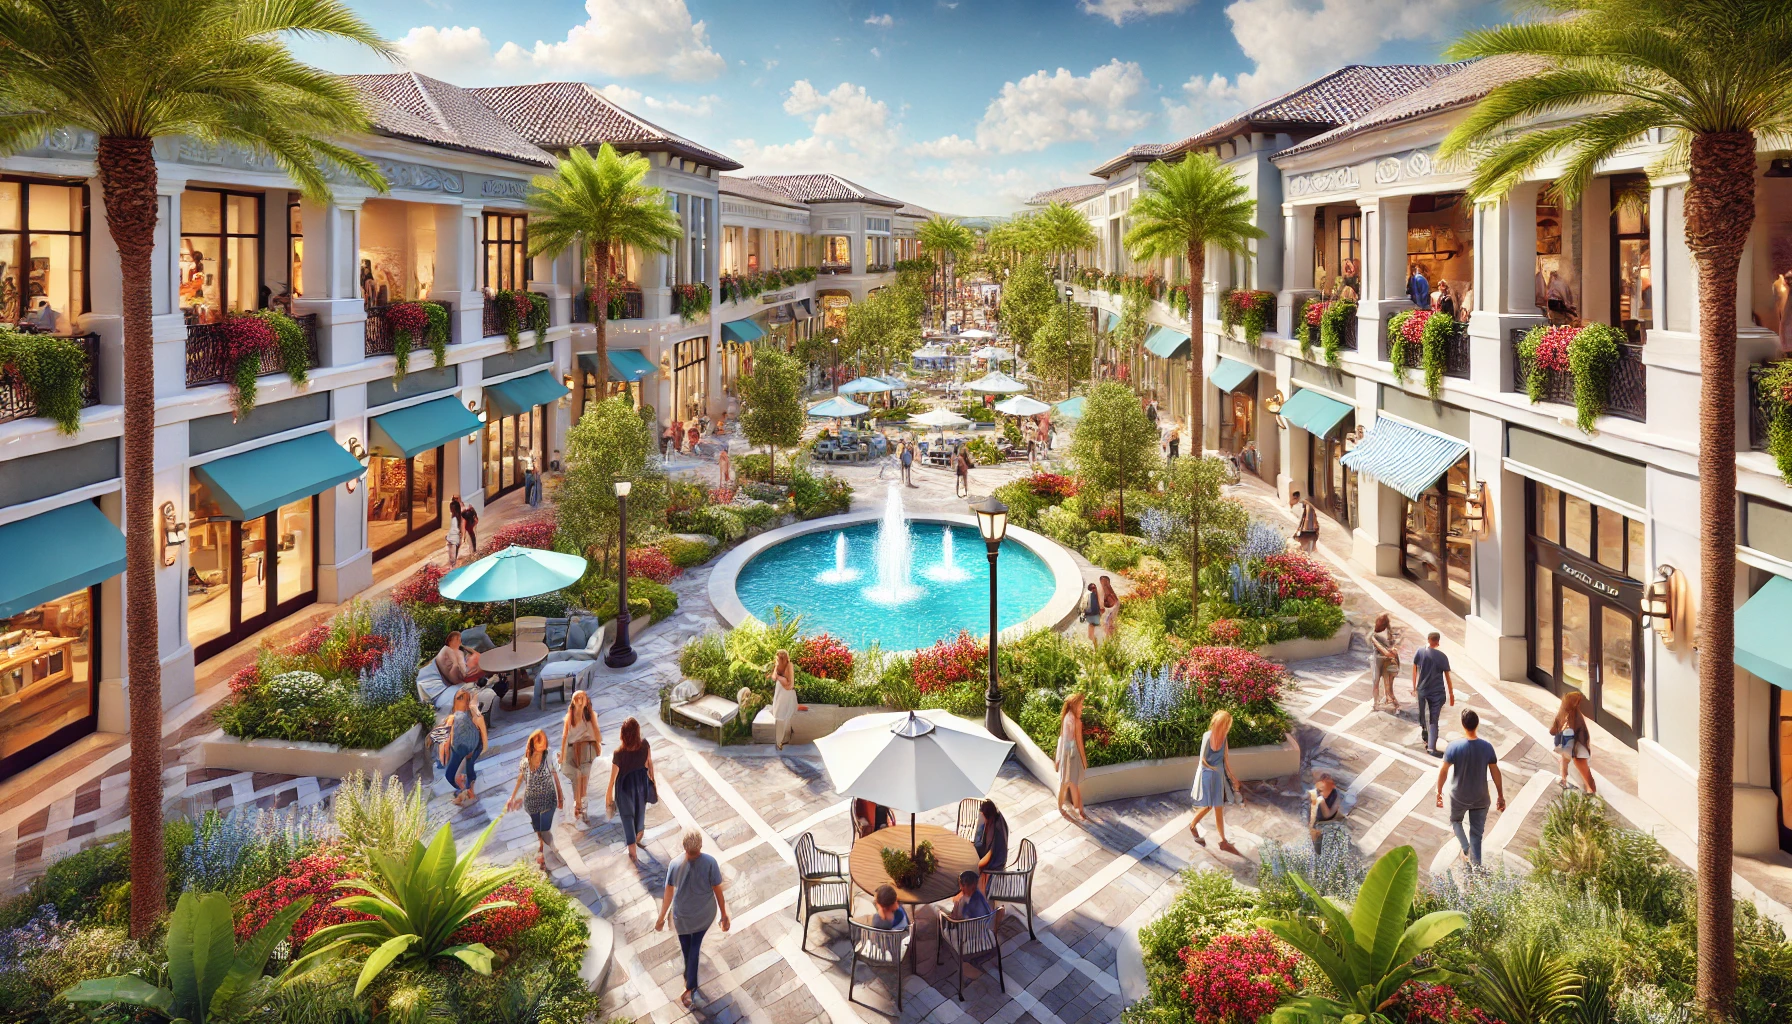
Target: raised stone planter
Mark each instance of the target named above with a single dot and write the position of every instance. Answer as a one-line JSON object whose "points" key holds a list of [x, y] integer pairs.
{"points": [[809, 726], [1303, 649], [1148, 778], [323, 760], [600, 950]]}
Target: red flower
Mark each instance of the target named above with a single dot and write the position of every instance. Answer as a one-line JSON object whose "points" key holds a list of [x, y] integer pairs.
{"points": [[945, 663], [825, 656], [652, 564], [423, 587], [246, 335], [530, 533], [1238, 979], [497, 927], [407, 317], [1412, 329], [1225, 632], [1230, 675], [1056, 486], [1552, 348], [315, 876], [1315, 312], [1437, 1004], [311, 641], [1299, 575], [525, 306], [246, 678]]}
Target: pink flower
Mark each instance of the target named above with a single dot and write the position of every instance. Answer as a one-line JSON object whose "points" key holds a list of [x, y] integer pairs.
{"points": [[1238, 979], [407, 317], [1230, 675], [1299, 575], [1552, 348], [825, 656], [246, 335], [1412, 329]]}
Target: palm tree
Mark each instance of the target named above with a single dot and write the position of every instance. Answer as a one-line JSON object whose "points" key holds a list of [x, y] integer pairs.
{"points": [[600, 201], [1184, 208], [1062, 230], [948, 239], [133, 71], [1714, 75]]}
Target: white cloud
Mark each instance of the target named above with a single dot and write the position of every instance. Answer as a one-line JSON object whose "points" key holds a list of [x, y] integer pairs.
{"points": [[948, 147], [620, 37], [635, 100], [875, 52], [1120, 11], [1046, 108], [1290, 42], [880, 21]]}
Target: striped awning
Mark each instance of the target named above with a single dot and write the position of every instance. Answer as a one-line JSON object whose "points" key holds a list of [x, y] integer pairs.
{"points": [[1229, 373], [1314, 413], [1166, 342], [1407, 458]]}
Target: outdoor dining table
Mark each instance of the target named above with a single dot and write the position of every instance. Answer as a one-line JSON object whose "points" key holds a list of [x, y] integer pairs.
{"points": [[510, 660], [955, 854]]}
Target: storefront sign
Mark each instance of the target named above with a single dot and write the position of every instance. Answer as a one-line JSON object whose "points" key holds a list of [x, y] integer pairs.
{"points": [[767, 298], [1589, 579]]}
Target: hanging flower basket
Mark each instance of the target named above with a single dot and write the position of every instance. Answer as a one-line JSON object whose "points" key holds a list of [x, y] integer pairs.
{"points": [[691, 301], [1589, 352], [52, 371], [1253, 311], [407, 321], [1773, 389], [1421, 338], [247, 338], [1323, 321]]}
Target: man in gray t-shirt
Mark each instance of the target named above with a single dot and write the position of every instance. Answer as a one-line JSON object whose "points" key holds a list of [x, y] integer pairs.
{"points": [[1432, 685], [693, 897], [1473, 760]]}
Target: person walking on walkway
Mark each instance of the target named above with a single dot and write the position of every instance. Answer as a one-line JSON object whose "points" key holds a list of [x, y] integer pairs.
{"points": [[1110, 608], [961, 466], [1306, 530], [694, 899], [1432, 685], [1072, 758], [1092, 612], [631, 785], [1386, 663], [1215, 785], [453, 536], [907, 458], [1473, 759], [784, 705], [538, 792], [1573, 743], [469, 518], [580, 744], [466, 741]]}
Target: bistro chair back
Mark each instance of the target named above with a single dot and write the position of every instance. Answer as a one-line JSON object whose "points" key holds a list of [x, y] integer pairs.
{"points": [[881, 950], [1014, 884], [969, 938], [970, 812], [822, 882]]}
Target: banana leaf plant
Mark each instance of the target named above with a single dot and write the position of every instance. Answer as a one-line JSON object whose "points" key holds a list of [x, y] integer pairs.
{"points": [[414, 906], [213, 978], [1368, 951]]}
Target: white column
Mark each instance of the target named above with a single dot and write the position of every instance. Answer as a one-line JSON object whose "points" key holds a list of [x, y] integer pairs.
{"points": [[344, 560], [332, 256], [457, 268], [1384, 264], [170, 325], [1496, 621]]}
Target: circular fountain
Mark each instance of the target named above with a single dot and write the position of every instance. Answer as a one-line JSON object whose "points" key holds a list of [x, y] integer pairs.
{"points": [[893, 579]]}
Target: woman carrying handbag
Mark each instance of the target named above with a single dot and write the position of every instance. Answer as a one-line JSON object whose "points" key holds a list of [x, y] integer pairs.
{"points": [[631, 786]]}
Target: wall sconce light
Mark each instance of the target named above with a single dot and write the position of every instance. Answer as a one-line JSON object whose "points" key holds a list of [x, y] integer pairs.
{"points": [[1273, 404], [1474, 512], [358, 450], [1658, 603], [174, 534]]}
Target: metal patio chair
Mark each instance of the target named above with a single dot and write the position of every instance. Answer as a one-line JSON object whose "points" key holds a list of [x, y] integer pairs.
{"points": [[967, 938], [822, 882], [881, 950], [1014, 884]]}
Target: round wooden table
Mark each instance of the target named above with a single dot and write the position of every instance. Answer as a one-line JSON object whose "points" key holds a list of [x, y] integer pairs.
{"points": [[955, 855], [509, 659]]}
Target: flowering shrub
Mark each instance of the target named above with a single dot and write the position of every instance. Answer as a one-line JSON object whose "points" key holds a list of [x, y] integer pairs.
{"points": [[1230, 675], [247, 338], [1056, 486], [1300, 575], [1254, 311], [1225, 632], [1438, 1004], [691, 301], [246, 678], [826, 656], [1588, 351], [407, 322], [422, 587], [315, 876], [1107, 518], [652, 564], [497, 927], [1149, 579], [1238, 979], [945, 663], [530, 533]]}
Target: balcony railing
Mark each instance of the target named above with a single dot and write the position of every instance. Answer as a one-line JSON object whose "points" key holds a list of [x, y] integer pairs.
{"points": [[1626, 399], [1758, 413], [1456, 353], [876, 268], [16, 402], [490, 326], [379, 332], [208, 361], [1347, 339], [633, 308], [836, 268]]}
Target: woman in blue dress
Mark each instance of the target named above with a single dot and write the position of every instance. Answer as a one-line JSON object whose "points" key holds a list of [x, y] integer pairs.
{"points": [[1215, 785]]}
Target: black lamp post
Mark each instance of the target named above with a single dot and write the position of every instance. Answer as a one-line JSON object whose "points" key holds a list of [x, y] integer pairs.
{"points": [[992, 523], [621, 655], [835, 374]]}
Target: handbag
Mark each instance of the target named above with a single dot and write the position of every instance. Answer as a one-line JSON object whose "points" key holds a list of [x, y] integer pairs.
{"points": [[1565, 740], [653, 790]]}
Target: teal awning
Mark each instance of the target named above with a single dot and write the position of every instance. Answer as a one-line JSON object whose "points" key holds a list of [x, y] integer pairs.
{"points": [[626, 364], [1409, 459], [518, 395], [1229, 373], [1167, 342], [1761, 645], [250, 485], [1315, 413], [742, 331], [419, 428], [56, 553], [1111, 322]]}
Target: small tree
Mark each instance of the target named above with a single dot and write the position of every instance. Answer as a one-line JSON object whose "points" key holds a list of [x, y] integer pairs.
{"points": [[883, 329], [1027, 299], [1201, 520], [771, 404], [1062, 348], [1115, 444], [609, 441]]}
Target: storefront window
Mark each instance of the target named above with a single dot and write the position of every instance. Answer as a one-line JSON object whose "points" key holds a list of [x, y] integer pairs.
{"points": [[833, 310], [596, 391], [1331, 484], [1440, 241], [506, 246], [295, 249], [1782, 735], [836, 251], [690, 378], [1438, 549], [43, 254], [245, 576], [220, 253], [47, 678], [1633, 296], [403, 499], [512, 444]]}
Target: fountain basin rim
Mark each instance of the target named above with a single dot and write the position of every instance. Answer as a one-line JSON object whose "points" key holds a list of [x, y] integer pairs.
{"points": [[1067, 578]]}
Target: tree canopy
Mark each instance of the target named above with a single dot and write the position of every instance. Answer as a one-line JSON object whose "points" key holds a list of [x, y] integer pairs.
{"points": [[1063, 347], [610, 441], [1027, 299], [771, 403], [1114, 446]]}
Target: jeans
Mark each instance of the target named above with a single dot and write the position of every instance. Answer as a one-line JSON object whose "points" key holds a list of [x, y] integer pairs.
{"points": [[907, 468], [690, 945], [1431, 707], [457, 758], [1477, 824]]}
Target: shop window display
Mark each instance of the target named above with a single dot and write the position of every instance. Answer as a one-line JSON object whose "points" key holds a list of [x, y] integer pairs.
{"points": [[47, 678], [220, 253], [43, 254], [245, 575]]}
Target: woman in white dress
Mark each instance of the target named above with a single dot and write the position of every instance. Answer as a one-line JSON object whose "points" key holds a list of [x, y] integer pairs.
{"points": [[1072, 757], [784, 705]]}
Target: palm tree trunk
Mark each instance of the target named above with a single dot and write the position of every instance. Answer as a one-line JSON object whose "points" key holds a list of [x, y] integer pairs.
{"points": [[1720, 208], [127, 170], [600, 300], [1197, 269]]}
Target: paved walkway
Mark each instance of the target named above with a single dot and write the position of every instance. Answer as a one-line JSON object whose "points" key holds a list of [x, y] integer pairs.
{"points": [[1095, 886]]}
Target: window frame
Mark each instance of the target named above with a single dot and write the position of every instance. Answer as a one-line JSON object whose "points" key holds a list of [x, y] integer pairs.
{"points": [[21, 269], [518, 247]]}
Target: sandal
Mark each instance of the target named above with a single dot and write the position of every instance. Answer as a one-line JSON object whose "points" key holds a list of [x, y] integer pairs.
{"points": [[1196, 832], [1229, 848]]}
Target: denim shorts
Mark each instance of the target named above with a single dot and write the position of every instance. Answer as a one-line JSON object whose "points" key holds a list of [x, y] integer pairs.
{"points": [[543, 822]]}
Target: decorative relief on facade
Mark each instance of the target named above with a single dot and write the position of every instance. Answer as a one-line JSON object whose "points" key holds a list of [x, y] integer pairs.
{"points": [[504, 188], [223, 154], [1335, 179], [71, 141], [421, 178], [1417, 163]]}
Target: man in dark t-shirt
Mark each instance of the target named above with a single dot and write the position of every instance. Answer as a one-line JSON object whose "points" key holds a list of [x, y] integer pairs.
{"points": [[1432, 686], [1473, 759]]}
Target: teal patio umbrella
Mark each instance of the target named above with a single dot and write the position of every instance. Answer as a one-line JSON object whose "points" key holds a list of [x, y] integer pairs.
{"points": [[1071, 407], [838, 409], [510, 574], [864, 386]]}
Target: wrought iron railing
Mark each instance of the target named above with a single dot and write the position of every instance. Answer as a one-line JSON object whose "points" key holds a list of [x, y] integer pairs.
{"points": [[633, 307], [1456, 352], [491, 326], [1347, 334], [16, 402], [208, 360], [1759, 416], [379, 332], [876, 268], [1626, 397], [836, 268]]}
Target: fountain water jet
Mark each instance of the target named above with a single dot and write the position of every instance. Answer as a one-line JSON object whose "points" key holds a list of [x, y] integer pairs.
{"points": [[840, 573], [948, 570], [894, 553]]}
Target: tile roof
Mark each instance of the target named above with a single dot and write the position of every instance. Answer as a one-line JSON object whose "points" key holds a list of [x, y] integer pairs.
{"points": [[558, 115], [747, 188], [1330, 100], [1143, 151], [823, 188], [911, 210], [1466, 84], [412, 106], [1068, 194]]}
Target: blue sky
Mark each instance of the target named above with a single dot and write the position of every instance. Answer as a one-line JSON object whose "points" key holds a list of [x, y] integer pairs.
{"points": [[966, 107]]}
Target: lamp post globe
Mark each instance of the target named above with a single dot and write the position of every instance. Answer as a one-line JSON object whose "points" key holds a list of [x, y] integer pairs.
{"points": [[992, 523], [621, 655]]}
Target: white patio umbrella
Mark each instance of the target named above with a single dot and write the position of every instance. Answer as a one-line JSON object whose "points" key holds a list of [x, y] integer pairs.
{"points": [[1021, 405], [997, 383], [992, 352], [976, 334], [838, 408], [912, 760], [941, 418]]}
